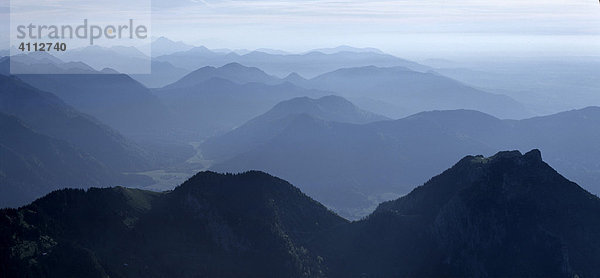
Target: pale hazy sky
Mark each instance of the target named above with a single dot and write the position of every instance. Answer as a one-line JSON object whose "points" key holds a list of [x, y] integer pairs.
{"points": [[410, 28]]}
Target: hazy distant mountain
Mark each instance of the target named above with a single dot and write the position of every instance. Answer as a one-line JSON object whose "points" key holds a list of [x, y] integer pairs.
{"points": [[243, 51], [198, 57], [346, 48], [48, 115], [508, 215], [122, 59], [41, 63], [162, 74], [125, 105], [17, 67], [271, 51], [32, 165], [295, 78], [330, 108], [315, 63], [115, 99], [354, 166], [129, 51], [232, 72], [218, 105], [309, 64], [439, 62], [165, 46], [547, 85], [37, 57], [568, 142], [412, 92], [213, 225], [263, 128]]}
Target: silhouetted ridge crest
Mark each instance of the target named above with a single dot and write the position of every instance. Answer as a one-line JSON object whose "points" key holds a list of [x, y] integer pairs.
{"points": [[207, 178], [495, 171], [508, 215]]}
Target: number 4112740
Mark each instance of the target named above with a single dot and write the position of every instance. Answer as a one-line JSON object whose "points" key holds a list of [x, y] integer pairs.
{"points": [[48, 46]]}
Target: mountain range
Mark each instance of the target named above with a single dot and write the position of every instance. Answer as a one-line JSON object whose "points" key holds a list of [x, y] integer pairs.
{"points": [[213, 100], [390, 91], [41, 63], [308, 64], [347, 48], [394, 92], [47, 114], [114, 99], [56, 146], [546, 85], [406, 92], [162, 73], [262, 129], [508, 215], [233, 72], [212, 105], [355, 166], [33, 164], [213, 225], [120, 58], [164, 46]]}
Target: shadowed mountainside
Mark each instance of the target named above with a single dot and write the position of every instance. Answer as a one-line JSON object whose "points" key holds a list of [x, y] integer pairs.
{"points": [[212, 225], [509, 215], [47, 114], [114, 99], [263, 128], [32, 164], [506, 215], [218, 105], [367, 164], [398, 92]]}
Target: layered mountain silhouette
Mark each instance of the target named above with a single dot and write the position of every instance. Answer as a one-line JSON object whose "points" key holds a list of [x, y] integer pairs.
{"points": [[262, 129], [508, 215], [330, 108], [47, 114], [213, 225], [548, 85], [353, 167], [308, 64], [164, 46], [114, 99], [66, 148], [394, 91], [347, 48], [233, 72], [41, 63], [161, 75], [120, 58], [406, 92], [32, 164], [218, 105]]}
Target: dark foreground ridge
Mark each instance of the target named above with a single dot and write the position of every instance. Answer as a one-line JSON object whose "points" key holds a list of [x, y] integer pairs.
{"points": [[506, 215]]}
